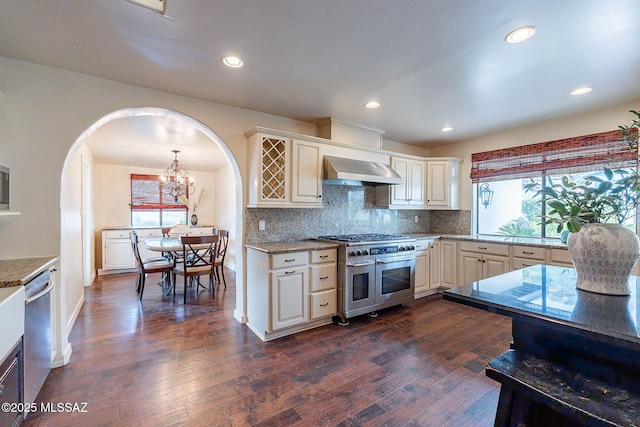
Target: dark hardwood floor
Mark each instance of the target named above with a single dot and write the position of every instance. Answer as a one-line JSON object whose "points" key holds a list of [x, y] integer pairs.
{"points": [[162, 363]]}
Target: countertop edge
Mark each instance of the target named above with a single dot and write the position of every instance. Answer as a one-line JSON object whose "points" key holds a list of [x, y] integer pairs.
{"points": [[285, 247], [25, 270]]}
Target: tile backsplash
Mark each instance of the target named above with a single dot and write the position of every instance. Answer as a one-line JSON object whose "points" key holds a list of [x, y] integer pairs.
{"points": [[346, 210]]}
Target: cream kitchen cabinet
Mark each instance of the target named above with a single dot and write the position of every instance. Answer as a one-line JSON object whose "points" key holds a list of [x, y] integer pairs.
{"points": [[479, 260], [443, 184], [559, 257], [427, 267], [323, 284], [448, 263], [306, 173], [288, 279], [290, 292], [284, 172], [434, 266], [410, 193], [527, 256]]}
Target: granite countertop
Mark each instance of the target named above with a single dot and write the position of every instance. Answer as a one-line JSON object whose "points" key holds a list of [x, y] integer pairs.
{"points": [[527, 241], [283, 247], [550, 293], [17, 272]]}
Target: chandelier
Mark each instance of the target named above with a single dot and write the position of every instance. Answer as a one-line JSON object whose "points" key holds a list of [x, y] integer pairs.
{"points": [[175, 180]]}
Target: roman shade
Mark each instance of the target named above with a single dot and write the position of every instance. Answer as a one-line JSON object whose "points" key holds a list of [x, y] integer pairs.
{"points": [[565, 156], [146, 194]]}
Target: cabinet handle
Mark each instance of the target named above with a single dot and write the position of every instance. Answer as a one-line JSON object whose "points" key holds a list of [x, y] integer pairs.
{"points": [[324, 256], [481, 248], [324, 305], [324, 278], [527, 253], [289, 260], [484, 260], [289, 272]]}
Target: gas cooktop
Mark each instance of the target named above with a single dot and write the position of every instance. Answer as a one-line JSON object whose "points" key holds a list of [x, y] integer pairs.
{"points": [[357, 238]]}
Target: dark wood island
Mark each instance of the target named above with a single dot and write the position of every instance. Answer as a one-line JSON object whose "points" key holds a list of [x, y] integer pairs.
{"points": [[575, 355]]}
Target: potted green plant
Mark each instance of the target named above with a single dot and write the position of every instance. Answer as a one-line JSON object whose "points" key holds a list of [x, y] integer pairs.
{"points": [[603, 251]]}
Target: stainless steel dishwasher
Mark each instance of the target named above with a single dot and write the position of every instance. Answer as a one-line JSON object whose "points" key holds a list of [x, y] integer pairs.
{"points": [[37, 334]]}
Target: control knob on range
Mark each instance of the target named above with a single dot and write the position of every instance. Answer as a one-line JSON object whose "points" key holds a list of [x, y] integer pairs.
{"points": [[365, 252], [352, 253], [401, 248], [358, 253]]}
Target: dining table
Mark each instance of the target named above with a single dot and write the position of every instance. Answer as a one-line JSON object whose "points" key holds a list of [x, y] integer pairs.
{"points": [[171, 247]]}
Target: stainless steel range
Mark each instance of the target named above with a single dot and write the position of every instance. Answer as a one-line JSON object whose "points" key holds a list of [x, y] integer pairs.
{"points": [[375, 271]]}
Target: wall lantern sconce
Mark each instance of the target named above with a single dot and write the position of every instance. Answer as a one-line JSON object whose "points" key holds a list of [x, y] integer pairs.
{"points": [[485, 194]]}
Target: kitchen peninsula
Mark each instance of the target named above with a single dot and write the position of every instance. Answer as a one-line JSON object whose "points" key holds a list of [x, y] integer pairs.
{"points": [[575, 356]]}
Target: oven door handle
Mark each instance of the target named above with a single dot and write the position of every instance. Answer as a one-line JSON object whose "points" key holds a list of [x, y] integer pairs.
{"points": [[379, 261], [364, 264]]}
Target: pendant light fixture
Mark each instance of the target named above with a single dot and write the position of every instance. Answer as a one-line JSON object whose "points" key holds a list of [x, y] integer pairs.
{"points": [[175, 180]]}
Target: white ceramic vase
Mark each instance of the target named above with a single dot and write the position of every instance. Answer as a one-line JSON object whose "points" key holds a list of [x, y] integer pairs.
{"points": [[604, 256]]}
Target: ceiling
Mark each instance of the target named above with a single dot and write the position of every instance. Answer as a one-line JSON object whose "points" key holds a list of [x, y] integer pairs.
{"points": [[429, 63]]}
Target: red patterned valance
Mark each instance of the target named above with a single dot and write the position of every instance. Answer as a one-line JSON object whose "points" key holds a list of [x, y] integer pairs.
{"points": [[565, 156]]}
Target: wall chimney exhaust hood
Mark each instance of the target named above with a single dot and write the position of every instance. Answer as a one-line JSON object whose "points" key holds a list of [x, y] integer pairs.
{"points": [[341, 171]]}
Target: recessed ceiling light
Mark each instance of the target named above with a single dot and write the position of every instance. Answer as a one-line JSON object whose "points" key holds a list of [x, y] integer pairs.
{"points": [[372, 104], [446, 129], [232, 61], [581, 91], [520, 34]]}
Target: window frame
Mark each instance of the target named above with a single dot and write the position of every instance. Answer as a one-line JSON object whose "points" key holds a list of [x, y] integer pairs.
{"points": [[152, 201], [588, 153]]}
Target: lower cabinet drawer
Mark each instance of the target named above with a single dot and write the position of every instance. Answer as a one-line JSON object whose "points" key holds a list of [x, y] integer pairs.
{"points": [[289, 259], [323, 276], [323, 304], [518, 263]]}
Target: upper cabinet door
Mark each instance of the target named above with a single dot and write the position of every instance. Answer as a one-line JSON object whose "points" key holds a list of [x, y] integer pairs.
{"points": [[415, 189], [443, 184], [399, 191], [306, 182]]}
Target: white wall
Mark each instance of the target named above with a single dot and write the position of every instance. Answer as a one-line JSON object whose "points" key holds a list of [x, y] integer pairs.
{"points": [[225, 216], [604, 120]]}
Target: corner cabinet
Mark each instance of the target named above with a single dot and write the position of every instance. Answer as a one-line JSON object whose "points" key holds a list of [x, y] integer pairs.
{"points": [[284, 172], [290, 292], [443, 184]]}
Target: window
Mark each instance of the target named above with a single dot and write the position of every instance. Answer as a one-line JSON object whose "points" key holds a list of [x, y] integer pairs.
{"points": [[150, 207], [513, 211]]}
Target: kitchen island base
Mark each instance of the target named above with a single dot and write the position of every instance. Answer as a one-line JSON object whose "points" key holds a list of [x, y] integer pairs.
{"points": [[574, 361]]}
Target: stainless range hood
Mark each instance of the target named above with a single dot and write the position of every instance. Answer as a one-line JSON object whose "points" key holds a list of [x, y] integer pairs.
{"points": [[341, 171]]}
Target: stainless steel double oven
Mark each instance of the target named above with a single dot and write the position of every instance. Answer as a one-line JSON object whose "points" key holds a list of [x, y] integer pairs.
{"points": [[375, 271]]}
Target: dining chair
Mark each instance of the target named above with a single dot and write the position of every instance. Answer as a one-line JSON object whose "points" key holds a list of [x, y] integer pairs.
{"points": [[198, 254], [221, 255], [149, 265]]}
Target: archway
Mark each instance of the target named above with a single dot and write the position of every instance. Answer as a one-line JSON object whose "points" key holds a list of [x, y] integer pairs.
{"points": [[73, 234]]}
